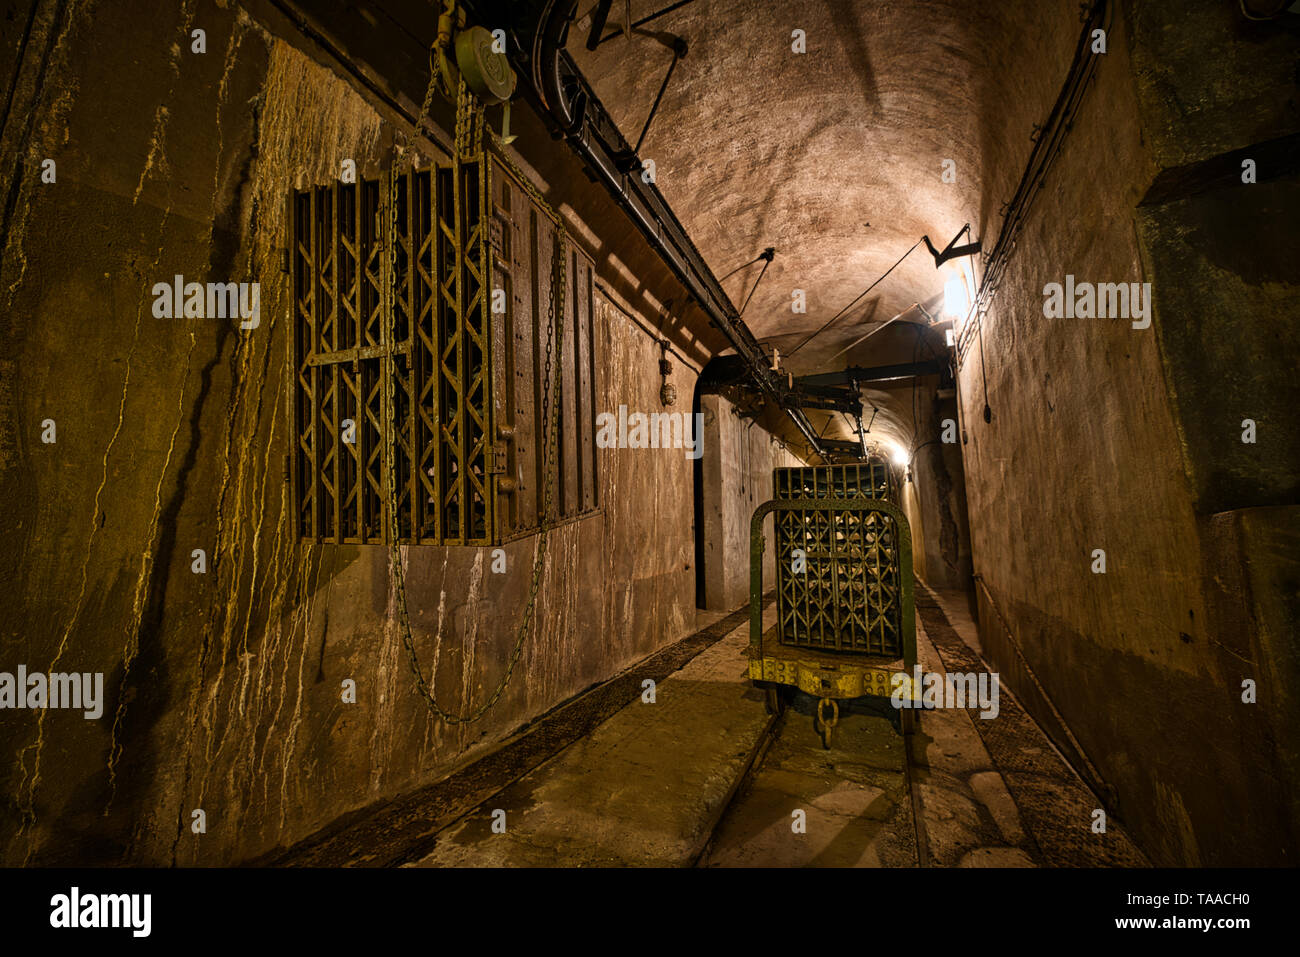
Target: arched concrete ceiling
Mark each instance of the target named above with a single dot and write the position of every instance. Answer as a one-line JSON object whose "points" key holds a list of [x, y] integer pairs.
{"points": [[834, 156]]}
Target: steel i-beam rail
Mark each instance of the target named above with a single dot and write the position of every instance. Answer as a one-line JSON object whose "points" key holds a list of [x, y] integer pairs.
{"points": [[537, 34]]}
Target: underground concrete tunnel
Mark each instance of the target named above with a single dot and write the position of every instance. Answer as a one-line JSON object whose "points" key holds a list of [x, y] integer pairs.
{"points": [[713, 433]]}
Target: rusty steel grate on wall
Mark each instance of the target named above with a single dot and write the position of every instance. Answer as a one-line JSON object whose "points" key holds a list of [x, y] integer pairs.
{"points": [[848, 596], [467, 380]]}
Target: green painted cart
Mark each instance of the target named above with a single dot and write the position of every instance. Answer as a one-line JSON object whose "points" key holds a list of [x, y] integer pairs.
{"points": [[845, 614]]}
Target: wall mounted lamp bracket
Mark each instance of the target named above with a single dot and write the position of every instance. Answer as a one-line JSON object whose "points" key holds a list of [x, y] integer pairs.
{"points": [[952, 250]]}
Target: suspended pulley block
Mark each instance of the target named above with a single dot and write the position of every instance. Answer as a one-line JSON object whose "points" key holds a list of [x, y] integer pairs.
{"points": [[486, 70]]}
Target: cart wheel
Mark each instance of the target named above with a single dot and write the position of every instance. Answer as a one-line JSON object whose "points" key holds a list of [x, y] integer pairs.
{"points": [[775, 700]]}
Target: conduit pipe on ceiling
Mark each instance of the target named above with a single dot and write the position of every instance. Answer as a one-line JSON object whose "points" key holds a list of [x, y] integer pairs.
{"points": [[1048, 140], [556, 85]]}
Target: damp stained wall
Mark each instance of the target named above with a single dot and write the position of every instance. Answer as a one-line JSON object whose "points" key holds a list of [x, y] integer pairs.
{"points": [[223, 689], [934, 494], [1091, 444], [739, 456]]}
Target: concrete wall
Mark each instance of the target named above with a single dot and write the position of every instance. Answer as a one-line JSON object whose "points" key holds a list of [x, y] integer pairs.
{"points": [[910, 499], [739, 456], [1092, 444], [224, 689], [936, 496]]}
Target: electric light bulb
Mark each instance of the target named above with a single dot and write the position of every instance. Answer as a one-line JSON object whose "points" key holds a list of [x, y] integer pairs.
{"points": [[955, 300]]}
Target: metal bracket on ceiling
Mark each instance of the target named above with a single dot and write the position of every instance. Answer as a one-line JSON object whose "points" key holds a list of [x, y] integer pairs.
{"points": [[631, 160], [952, 250], [600, 17], [856, 375]]}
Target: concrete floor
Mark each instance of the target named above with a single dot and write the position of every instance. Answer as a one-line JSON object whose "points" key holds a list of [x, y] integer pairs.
{"points": [[859, 808], [649, 787], [854, 797], [644, 789]]}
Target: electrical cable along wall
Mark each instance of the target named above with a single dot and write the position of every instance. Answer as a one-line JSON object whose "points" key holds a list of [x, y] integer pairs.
{"points": [[470, 285]]}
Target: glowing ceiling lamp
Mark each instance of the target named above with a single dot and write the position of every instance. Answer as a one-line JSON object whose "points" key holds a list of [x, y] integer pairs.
{"points": [[956, 300], [959, 290]]}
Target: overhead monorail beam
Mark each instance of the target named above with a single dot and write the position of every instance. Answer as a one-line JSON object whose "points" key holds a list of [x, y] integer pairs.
{"points": [[860, 374], [537, 32]]}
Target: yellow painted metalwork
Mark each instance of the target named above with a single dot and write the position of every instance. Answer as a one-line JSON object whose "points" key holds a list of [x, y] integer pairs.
{"points": [[847, 679], [834, 672]]}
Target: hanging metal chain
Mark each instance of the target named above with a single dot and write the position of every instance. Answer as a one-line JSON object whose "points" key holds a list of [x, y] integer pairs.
{"points": [[469, 113], [468, 145]]}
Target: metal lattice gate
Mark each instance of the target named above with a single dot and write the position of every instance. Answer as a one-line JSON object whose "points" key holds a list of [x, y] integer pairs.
{"points": [[848, 596], [441, 411], [479, 286]]}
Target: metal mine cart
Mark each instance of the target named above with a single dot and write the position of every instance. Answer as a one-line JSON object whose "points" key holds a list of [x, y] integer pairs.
{"points": [[845, 622]]}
